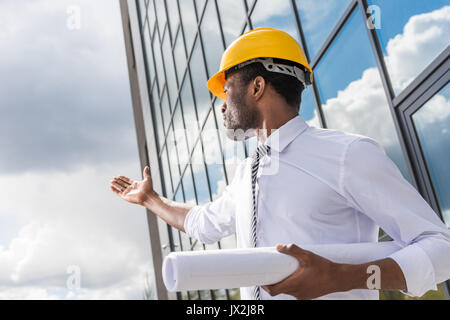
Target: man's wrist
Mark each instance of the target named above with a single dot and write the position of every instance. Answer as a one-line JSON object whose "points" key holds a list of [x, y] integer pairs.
{"points": [[350, 276], [151, 200]]}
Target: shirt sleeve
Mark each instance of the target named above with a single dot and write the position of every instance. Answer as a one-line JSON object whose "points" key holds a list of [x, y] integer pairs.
{"points": [[374, 185], [214, 220]]}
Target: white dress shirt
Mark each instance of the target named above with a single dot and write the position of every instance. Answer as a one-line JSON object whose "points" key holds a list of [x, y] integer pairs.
{"points": [[329, 187]]}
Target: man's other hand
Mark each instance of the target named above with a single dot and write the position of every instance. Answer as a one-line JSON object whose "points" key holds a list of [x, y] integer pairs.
{"points": [[133, 191], [315, 276]]}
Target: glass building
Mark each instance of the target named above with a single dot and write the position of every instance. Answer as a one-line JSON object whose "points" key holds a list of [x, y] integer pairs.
{"points": [[380, 70]]}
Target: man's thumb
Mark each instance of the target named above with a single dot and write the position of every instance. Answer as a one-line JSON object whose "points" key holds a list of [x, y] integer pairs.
{"points": [[146, 172]]}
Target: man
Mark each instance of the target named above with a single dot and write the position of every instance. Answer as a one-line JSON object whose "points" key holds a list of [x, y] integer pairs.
{"points": [[305, 185]]}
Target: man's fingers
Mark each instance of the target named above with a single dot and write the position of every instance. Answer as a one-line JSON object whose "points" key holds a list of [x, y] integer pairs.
{"points": [[115, 190], [121, 182], [117, 186], [126, 179], [295, 251]]}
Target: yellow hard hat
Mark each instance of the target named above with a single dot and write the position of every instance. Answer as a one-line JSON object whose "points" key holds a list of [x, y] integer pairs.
{"points": [[261, 43]]}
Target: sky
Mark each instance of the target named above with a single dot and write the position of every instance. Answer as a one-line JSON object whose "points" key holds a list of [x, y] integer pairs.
{"points": [[66, 128]]}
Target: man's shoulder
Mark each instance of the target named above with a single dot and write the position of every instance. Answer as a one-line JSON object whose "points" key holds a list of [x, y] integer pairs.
{"points": [[324, 141], [334, 136]]}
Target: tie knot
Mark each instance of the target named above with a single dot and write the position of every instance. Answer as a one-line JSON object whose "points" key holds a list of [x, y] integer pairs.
{"points": [[261, 151]]}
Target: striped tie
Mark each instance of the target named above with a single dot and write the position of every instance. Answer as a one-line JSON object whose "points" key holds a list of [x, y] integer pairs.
{"points": [[260, 152]]}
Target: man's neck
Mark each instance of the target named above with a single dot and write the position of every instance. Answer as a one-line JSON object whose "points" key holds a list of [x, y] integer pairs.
{"points": [[271, 123]]}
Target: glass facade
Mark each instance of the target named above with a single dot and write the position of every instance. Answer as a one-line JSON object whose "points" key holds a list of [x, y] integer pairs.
{"points": [[358, 73]]}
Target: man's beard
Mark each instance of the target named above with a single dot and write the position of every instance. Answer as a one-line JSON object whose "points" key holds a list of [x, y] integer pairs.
{"points": [[241, 119]]}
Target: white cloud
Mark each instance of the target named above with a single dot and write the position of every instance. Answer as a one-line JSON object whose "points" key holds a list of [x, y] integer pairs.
{"points": [[74, 219], [424, 37]]}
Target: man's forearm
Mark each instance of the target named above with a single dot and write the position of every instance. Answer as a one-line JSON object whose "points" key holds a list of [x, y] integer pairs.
{"points": [[364, 276], [170, 211]]}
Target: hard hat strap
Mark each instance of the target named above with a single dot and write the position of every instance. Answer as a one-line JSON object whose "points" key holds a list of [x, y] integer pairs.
{"points": [[270, 65]]}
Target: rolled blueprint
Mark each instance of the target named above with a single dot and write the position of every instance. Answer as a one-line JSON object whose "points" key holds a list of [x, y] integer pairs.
{"points": [[234, 268]]}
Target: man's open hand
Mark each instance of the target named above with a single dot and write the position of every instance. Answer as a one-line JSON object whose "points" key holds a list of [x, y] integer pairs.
{"points": [[315, 276], [133, 191]]}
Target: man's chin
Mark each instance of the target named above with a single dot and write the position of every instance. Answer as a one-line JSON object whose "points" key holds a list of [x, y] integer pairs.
{"points": [[240, 134]]}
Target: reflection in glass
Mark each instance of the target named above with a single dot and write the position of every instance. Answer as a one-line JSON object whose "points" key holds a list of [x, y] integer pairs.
{"points": [[173, 158], [318, 19], [307, 108], [157, 110], [199, 79], [351, 91], [232, 16], [161, 10], [275, 14], [174, 18], [142, 10], [148, 54], [432, 123], [211, 35], [166, 174], [189, 22], [158, 61], [165, 110], [200, 179], [190, 118], [180, 138], [213, 157], [180, 57], [170, 71], [412, 33]]}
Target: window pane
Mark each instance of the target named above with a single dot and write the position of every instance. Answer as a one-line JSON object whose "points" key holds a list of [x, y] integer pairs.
{"points": [[307, 108], [180, 138], [412, 33], [151, 15], [213, 157], [318, 19], [170, 71], [180, 57], [173, 158], [189, 22], [432, 122], [232, 16], [200, 179], [190, 119], [275, 14], [211, 38], [148, 54], [157, 111], [188, 185], [161, 11], [166, 174], [199, 79], [142, 9], [174, 18], [158, 61], [351, 90], [165, 110]]}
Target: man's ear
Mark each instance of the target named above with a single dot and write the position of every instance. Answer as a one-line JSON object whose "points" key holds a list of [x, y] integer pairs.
{"points": [[258, 87]]}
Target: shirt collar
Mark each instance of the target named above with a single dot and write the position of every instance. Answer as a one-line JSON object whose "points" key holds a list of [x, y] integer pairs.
{"points": [[281, 137]]}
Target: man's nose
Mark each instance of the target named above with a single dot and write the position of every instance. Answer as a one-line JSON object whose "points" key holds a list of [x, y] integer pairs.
{"points": [[224, 107]]}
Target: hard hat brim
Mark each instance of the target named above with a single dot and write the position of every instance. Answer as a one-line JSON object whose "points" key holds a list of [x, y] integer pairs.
{"points": [[215, 85]]}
